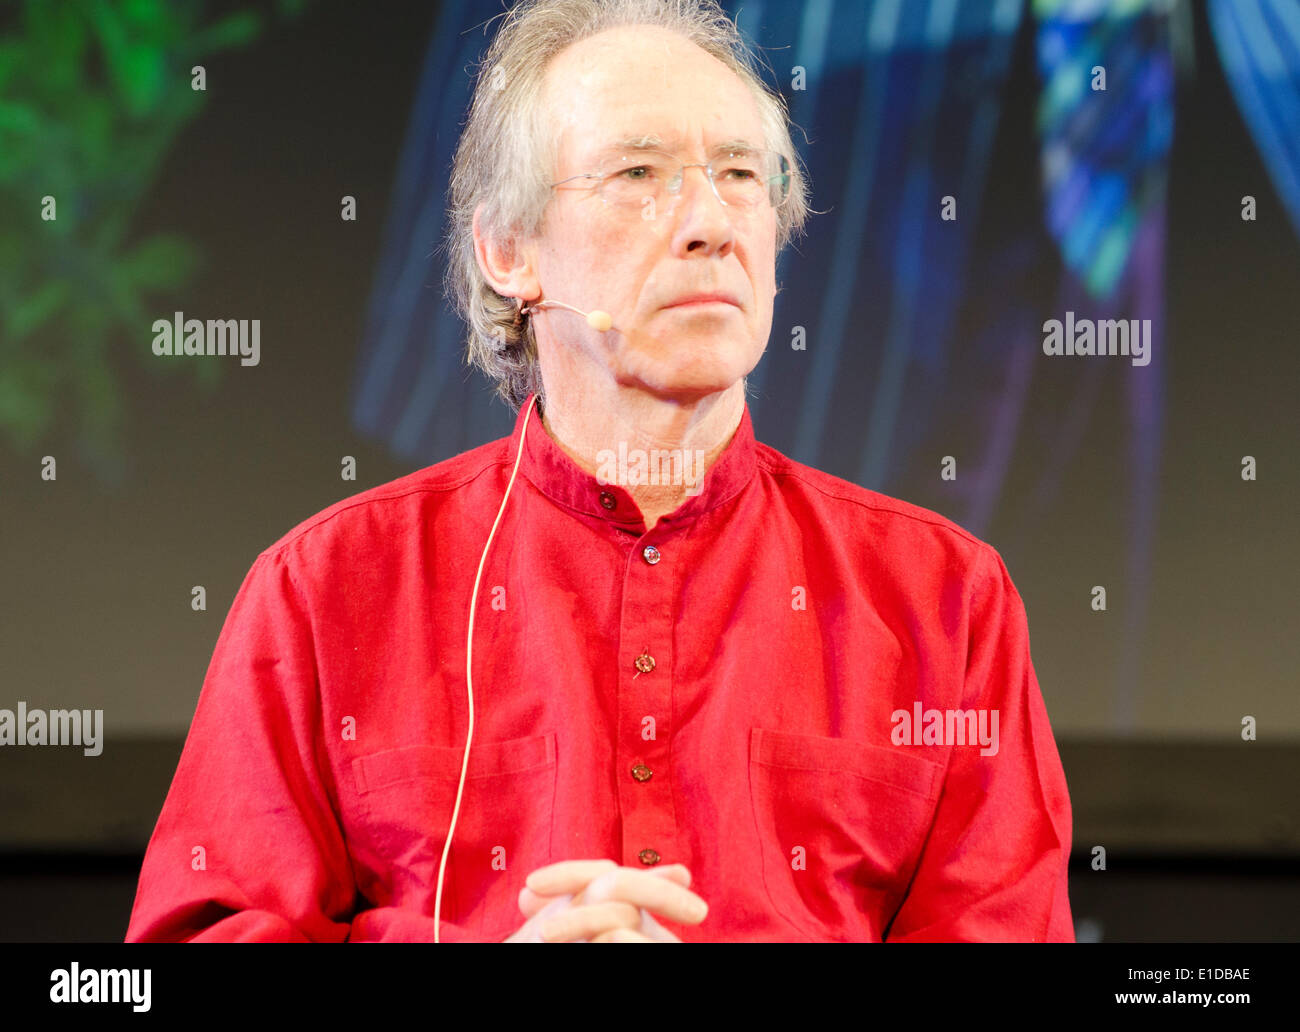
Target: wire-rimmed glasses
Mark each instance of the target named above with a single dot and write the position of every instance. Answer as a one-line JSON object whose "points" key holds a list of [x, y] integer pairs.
{"points": [[651, 180]]}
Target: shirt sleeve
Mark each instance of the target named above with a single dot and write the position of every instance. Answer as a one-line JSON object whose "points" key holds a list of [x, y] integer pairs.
{"points": [[248, 846], [995, 863]]}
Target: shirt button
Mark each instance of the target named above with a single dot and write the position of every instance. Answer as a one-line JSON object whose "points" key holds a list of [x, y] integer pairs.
{"points": [[645, 663], [607, 500], [641, 772], [648, 857], [650, 554]]}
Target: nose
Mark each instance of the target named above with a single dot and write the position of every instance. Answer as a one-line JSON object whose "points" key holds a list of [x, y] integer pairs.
{"points": [[703, 218], [676, 194]]}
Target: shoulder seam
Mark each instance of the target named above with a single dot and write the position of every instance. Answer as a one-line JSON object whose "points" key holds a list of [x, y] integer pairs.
{"points": [[313, 522], [793, 471]]}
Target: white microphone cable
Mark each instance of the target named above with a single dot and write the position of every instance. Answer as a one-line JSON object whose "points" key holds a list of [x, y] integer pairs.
{"points": [[469, 683]]}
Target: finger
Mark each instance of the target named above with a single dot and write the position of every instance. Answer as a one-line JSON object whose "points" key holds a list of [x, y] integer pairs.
{"points": [[531, 929], [588, 922], [566, 876], [621, 935], [654, 931], [659, 895], [677, 872], [531, 902], [674, 872]]}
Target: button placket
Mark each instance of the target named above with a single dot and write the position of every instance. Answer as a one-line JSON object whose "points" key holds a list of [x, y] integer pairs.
{"points": [[649, 824]]}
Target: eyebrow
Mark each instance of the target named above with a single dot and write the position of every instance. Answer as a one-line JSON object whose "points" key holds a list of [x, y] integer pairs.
{"points": [[652, 141]]}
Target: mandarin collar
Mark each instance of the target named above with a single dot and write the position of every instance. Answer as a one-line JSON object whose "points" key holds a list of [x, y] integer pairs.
{"points": [[556, 475]]}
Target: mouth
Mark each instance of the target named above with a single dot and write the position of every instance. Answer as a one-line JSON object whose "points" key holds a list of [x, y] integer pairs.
{"points": [[701, 300]]}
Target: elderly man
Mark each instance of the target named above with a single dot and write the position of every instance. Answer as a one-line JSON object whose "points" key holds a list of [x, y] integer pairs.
{"points": [[626, 675]]}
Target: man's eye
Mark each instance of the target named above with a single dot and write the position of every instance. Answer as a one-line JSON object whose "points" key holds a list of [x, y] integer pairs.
{"points": [[742, 173], [629, 172]]}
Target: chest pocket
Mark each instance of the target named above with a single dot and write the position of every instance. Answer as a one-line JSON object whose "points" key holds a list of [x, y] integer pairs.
{"points": [[503, 831], [841, 825]]}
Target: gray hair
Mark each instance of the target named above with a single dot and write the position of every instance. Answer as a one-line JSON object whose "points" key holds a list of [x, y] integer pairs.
{"points": [[509, 173]]}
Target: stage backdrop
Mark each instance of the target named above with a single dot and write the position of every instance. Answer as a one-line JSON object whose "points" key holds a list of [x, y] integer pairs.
{"points": [[977, 183]]}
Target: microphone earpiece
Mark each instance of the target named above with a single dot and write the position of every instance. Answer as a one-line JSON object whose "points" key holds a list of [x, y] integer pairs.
{"points": [[596, 319]]}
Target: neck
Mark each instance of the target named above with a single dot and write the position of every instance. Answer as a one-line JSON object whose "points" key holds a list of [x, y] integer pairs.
{"points": [[585, 424]]}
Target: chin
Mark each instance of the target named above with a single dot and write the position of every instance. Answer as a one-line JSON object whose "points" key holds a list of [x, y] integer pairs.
{"points": [[696, 365], [694, 382]]}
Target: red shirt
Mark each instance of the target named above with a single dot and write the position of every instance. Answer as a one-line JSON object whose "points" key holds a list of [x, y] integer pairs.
{"points": [[792, 619]]}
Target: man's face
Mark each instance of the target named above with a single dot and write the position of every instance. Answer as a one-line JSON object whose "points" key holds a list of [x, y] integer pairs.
{"points": [[632, 82]]}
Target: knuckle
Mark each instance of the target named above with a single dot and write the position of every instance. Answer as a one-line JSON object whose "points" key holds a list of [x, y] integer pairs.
{"points": [[627, 914], [603, 886]]}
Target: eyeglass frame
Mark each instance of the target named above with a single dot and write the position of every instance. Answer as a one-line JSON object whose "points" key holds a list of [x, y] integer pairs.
{"points": [[601, 175]]}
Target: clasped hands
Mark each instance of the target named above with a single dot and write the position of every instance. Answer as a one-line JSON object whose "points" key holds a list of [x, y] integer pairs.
{"points": [[599, 901]]}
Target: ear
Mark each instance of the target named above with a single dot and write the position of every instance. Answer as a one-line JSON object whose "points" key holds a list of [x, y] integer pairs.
{"points": [[508, 264]]}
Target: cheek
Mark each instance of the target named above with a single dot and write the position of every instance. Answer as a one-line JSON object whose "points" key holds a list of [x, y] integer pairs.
{"points": [[580, 248]]}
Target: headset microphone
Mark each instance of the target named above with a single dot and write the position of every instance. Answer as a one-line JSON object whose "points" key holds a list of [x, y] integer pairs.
{"points": [[596, 319]]}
